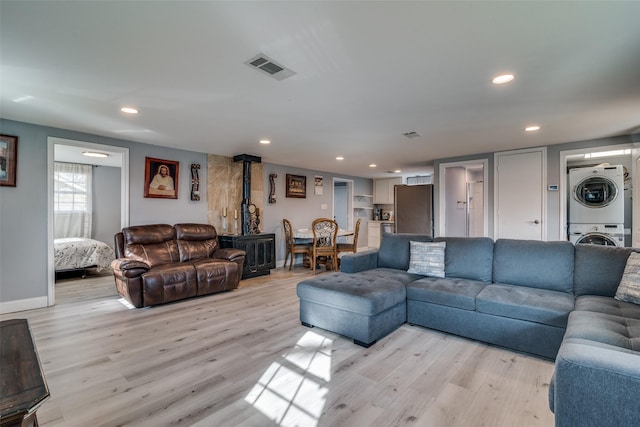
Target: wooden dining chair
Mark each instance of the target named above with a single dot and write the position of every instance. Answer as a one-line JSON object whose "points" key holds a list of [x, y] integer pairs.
{"points": [[350, 247], [325, 232], [291, 247]]}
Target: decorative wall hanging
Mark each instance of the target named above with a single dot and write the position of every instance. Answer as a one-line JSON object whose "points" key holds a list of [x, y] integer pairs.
{"points": [[296, 186], [161, 178], [195, 182], [8, 160], [272, 188], [317, 188]]}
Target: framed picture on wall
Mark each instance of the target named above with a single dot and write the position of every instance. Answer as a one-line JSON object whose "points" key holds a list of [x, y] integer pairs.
{"points": [[161, 178], [296, 186], [8, 160]]}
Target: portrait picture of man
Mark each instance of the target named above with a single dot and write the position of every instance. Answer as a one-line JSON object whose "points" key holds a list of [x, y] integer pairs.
{"points": [[8, 160], [161, 178]]}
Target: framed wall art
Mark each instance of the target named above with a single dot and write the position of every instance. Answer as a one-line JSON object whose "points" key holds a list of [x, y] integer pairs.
{"points": [[161, 178], [8, 160], [296, 186]]}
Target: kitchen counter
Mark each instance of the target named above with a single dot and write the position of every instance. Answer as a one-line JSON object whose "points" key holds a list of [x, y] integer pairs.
{"points": [[374, 229]]}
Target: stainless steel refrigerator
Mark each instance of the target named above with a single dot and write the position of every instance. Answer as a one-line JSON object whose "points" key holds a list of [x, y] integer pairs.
{"points": [[413, 209]]}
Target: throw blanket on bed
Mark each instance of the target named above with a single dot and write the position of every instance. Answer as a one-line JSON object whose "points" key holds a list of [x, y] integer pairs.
{"points": [[74, 252]]}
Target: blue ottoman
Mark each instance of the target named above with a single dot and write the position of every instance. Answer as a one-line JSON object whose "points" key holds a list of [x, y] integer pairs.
{"points": [[361, 306]]}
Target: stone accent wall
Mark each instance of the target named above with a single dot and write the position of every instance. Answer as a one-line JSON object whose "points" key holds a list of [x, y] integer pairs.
{"points": [[224, 189]]}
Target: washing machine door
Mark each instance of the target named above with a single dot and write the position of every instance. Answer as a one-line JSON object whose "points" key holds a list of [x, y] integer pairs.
{"points": [[597, 239], [595, 192]]}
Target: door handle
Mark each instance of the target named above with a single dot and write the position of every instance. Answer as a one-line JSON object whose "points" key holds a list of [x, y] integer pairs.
{"points": [[535, 221]]}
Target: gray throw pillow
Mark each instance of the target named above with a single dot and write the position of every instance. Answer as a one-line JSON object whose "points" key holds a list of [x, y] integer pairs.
{"points": [[427, 258], [629, 288]]}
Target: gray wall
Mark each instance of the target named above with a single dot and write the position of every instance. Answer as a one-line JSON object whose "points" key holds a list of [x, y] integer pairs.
{"points": [[23, 209], [301, 212], [106, 203], [554, 175]]}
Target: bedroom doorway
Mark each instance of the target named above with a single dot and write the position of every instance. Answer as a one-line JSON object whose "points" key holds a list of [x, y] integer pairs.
{"points": [[116, 162]]}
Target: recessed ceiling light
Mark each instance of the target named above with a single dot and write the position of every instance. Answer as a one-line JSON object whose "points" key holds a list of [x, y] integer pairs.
{"points": [[129, 110], [94, 154], [532, 128], [397, 171], [339, 158], [23, 98], [502, 79], [372, 165], [265, 141]]}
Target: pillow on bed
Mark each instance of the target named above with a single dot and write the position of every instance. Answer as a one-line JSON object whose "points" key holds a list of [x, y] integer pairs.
{"points": [[629, 288], [427, 258]]}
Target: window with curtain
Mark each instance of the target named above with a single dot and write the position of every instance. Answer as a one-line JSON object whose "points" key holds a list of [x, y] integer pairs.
{"points": [[72, 200]]}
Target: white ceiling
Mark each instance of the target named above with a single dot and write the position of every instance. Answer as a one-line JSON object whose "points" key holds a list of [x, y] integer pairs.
{"points": [[366, 72]]}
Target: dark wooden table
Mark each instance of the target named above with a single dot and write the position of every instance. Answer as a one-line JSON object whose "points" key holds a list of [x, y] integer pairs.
{"points": [[23, 387]]}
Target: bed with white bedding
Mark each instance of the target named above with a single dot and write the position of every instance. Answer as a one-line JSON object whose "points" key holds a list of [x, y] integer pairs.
{"points": [[75, 253]]}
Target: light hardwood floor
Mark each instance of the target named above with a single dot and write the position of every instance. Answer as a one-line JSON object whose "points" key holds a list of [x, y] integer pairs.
{"points": [[242, 358]]}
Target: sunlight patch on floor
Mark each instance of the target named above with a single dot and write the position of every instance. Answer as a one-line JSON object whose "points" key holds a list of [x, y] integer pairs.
{"points": [[293, 391], [126, 303]]}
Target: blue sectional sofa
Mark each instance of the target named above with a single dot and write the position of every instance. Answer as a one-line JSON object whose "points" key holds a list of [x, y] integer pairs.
{"points": [[545, 298]]}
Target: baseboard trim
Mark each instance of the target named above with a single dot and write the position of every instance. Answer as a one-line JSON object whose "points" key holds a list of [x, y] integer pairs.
{"points": [[22, 304]]}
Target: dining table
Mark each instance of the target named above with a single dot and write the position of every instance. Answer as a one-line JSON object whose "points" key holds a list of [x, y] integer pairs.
{"points": [[307, 233]]}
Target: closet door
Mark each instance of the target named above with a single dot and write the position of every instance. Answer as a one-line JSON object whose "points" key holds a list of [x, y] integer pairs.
{"points": [[519, 194]]}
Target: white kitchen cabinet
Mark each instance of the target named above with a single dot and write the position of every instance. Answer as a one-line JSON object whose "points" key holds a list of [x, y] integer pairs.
{"points": [[373, 234], [383, 190]]}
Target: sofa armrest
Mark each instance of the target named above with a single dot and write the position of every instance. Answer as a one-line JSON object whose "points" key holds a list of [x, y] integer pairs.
{"points": [[230, 254], [596, 384], [128, 273], [360, 261], [126, 264]]}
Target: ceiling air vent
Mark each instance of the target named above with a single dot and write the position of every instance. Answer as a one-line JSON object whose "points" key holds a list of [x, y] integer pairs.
{"points": [[268, 66], [411, 134]]}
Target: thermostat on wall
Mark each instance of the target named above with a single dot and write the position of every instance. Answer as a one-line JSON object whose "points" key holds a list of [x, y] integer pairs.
{"points": [[553, 188]]}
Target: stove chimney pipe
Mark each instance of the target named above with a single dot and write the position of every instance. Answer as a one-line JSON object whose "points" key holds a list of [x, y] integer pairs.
{"points": [[248, 215]]}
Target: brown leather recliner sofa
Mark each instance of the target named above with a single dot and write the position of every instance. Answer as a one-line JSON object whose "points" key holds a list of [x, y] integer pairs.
{"points": [[161, 263]]}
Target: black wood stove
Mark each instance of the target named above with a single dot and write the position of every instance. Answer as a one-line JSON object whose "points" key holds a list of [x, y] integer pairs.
{"points": [[260, 247]]}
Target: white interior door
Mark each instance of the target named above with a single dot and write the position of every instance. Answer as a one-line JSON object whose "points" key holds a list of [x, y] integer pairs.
{"points": [[340, 214], [343, 203], [520, 196]]}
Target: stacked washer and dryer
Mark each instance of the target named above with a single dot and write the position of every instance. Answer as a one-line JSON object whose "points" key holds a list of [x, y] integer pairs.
{"points": [[596, 206]]}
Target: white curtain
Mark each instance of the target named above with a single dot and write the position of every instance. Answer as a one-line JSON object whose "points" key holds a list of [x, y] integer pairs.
{"points": [[72, 200]]}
